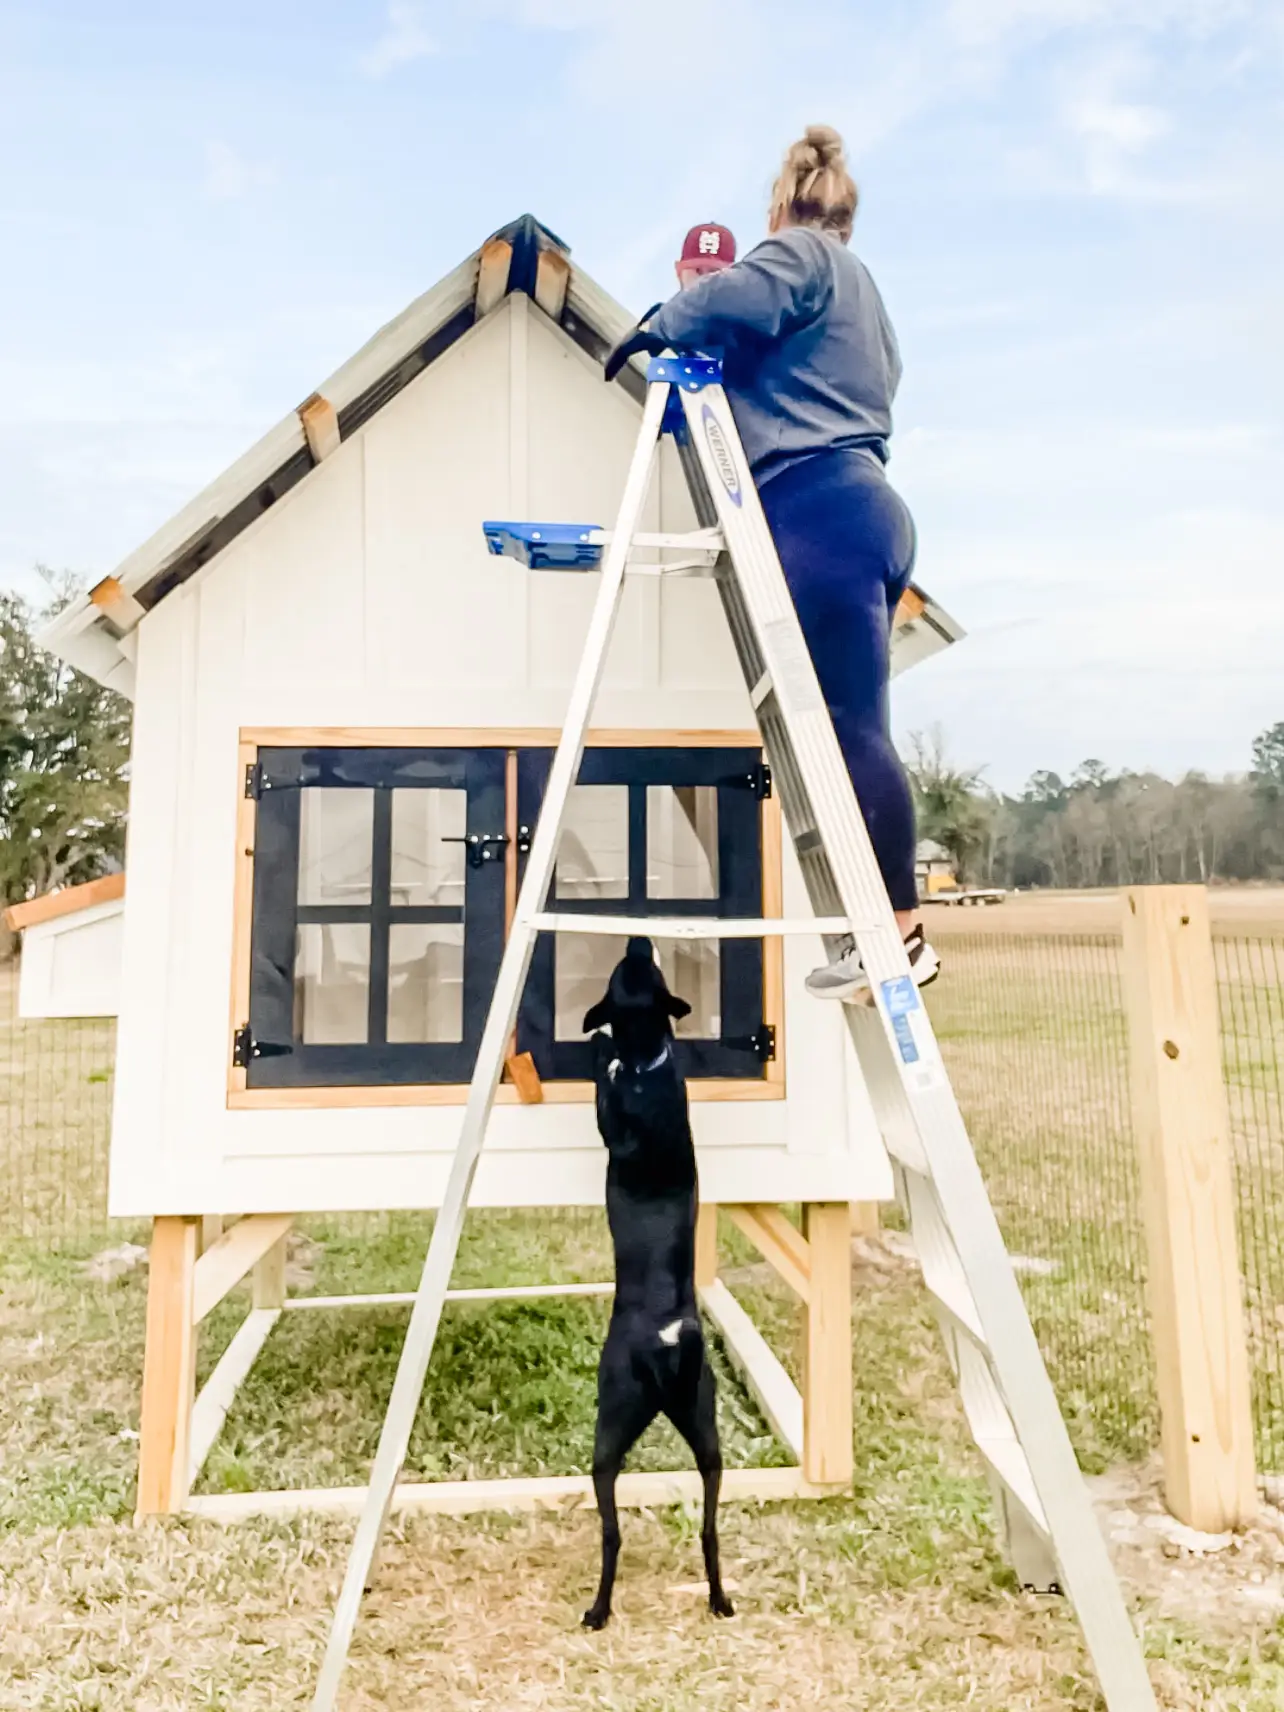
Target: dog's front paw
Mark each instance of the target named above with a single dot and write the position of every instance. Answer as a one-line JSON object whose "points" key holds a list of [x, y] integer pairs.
{"points": [[720, 1605], [596, 1618]]}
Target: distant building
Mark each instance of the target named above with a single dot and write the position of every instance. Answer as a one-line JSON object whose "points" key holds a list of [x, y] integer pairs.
{"points": [[933, 868], [71, 950]]}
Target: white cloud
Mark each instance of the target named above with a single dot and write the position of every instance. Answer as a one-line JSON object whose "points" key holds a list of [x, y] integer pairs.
{"points": [[1118, 126], [230, 176], [405, 39]]}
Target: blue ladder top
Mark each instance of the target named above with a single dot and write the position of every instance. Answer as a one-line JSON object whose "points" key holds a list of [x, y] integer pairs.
{"points": [[547, 546]]}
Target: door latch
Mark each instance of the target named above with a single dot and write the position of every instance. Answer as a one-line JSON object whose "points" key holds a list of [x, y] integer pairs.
{"points": [[482, 847]]}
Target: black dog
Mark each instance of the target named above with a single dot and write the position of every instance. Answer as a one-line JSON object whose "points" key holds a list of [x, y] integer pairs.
{"points": [[653, 1362]]}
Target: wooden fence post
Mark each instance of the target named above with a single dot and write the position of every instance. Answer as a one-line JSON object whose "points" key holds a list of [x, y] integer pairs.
{"points": [[1181, 1120]]}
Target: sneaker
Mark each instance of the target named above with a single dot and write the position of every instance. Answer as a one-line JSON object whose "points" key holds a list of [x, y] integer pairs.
{"points": [[845, 979]]}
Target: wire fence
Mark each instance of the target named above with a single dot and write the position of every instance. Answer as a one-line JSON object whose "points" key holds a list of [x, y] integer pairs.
{"points": [[55, 1123], [1250, 975], [1035, 1036]]}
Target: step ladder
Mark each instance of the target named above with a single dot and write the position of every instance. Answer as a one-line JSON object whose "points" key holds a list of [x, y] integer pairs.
{"points": [[1044, 1512]]}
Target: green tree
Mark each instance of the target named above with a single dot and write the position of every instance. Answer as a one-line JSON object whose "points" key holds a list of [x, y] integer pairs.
{"points": [[951, 807], [64, 750], [1268, 762]]}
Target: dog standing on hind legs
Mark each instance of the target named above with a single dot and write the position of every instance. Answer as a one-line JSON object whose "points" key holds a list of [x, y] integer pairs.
{"points": [[653, 1362]]}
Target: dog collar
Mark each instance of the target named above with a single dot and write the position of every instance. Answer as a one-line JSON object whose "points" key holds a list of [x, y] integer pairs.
{"points": [[617, 1064]]}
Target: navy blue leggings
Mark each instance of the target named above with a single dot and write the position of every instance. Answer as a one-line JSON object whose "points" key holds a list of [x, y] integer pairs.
{"points": [[846, 541]]}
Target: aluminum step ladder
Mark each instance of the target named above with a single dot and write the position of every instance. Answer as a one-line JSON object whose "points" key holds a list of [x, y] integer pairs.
{"points": [[1044, 1511]]}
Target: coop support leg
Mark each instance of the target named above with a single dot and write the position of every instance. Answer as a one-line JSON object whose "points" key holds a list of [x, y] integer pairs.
{"points": [[268, 1278], [169, 1368], [866, 1218], [827, 1345], [706, 1246]]}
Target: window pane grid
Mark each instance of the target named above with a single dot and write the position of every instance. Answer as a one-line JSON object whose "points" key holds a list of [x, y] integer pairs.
{"points": [[672, 861], [362, 882]]}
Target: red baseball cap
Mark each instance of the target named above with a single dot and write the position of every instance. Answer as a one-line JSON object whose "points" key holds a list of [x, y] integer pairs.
{"points": [[707, 248]]}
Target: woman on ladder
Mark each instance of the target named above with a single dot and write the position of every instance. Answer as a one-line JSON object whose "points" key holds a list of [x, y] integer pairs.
{"points": [[810, 369]]}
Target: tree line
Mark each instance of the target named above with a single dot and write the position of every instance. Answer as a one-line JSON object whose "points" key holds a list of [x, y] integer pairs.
{"points": [[1099, 828], [64, 755]]}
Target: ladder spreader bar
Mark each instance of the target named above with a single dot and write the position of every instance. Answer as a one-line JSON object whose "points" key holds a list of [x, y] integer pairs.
{"points": [[687, 927]]}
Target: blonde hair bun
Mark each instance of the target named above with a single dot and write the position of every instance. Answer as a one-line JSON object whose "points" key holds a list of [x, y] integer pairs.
{"points": [[823, 144], [814, 187]]}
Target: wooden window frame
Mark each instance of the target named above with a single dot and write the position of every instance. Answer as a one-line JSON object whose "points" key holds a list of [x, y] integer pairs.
{"points": [[240, 1097]]}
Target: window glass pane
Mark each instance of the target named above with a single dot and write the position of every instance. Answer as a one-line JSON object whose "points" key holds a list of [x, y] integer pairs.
{"points": [[424, 870], [332, 982], [682, 841], [336, 835], [583, 964], [583, 967], [426, 981], [693, 969], [593, 856]]}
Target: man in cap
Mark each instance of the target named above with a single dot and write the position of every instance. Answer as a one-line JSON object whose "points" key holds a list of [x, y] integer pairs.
{"points": [[705, 249]]}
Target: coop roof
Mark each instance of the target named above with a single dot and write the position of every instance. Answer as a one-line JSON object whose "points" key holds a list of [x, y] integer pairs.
{"points": [[95, 633], [70, 900]]}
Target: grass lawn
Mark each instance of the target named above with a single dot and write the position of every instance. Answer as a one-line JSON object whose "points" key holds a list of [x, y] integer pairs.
{"points": [[891, 1598]]}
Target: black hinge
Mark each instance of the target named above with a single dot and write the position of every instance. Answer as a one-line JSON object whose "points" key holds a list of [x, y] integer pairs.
{"points": [[245, 1048], [255, 783], [758, 780], [762, 1044]]}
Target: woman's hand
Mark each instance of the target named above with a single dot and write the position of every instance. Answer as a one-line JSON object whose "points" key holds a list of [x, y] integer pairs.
{"points": [[638, 340]]}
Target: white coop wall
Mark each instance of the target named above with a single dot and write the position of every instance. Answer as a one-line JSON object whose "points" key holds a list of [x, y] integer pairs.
{"points": [[366, 600], [71, 964]]}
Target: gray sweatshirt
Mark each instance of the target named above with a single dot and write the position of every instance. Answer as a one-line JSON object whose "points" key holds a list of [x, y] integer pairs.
{"points": [[809, 356]]}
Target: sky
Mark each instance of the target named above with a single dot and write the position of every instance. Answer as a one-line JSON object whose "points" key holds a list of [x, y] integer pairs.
{"points": [[1073, 209]]}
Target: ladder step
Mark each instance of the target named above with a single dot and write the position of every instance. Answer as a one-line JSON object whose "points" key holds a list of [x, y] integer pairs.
{"points": [[688, 927]]}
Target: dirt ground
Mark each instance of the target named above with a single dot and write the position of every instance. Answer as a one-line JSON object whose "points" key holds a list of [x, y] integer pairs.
{"points": [[1235, 910]]}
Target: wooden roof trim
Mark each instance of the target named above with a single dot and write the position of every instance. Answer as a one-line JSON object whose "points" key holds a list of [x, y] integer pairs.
{"points": [[68, 901], [320, 425]]}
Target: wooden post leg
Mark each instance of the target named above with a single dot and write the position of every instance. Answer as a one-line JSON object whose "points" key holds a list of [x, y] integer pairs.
{"points": [[211, 1230], [1181, 1122], [866, 1220], [169, 1368], [706, 1246], [827, 1346], [269, 1276]]}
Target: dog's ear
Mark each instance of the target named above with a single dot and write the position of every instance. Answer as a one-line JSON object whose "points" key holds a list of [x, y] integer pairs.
{"points": [[598, 1015], [676, 1007]]}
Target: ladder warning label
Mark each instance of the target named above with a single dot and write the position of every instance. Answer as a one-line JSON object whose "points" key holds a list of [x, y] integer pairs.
{"points": [[900, 997], [905, 1038], [912, 1032]]}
